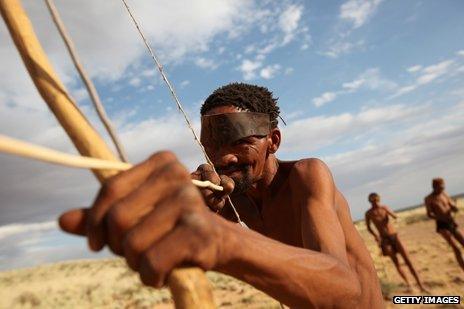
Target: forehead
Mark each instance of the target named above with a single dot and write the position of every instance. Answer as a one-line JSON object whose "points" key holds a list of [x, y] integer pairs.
{"points": [[224, 109], [226, 128]]}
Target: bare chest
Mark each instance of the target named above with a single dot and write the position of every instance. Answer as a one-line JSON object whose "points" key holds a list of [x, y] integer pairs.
{"points": [[439, 204], [379, 216], [276, 217]]}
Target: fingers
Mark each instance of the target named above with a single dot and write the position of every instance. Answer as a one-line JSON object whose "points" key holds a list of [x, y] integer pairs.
{"points": [[228, 184], [190, 243], [116, 188], [215, 200], [163, 257], [74, 221], [156, 224], [163, 184]]}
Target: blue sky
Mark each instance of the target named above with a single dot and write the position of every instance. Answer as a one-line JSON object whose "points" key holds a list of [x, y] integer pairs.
{"points": [[374, 88]]}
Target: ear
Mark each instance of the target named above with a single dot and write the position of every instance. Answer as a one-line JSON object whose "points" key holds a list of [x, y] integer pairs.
{"points": [[274, 140]]}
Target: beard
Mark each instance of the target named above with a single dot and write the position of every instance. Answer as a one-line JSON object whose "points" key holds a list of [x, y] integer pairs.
{"points": [[243, 181]]}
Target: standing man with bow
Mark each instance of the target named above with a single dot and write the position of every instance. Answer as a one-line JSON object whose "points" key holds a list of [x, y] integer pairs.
{"points": [[302, 247]]}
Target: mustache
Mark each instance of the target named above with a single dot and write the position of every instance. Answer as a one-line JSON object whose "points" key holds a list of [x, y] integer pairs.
{"points": [[232, 168]]}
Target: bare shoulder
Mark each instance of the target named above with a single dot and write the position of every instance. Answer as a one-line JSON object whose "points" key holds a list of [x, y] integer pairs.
{"points": [[427, 198], [313, 176], [310, 169], [368, 213]]}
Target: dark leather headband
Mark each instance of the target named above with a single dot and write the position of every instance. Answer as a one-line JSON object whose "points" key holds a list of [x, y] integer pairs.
{"points": [[222, 129]]}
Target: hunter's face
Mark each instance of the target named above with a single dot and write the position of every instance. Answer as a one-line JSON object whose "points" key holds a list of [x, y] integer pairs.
{"points": [[243, 160], [438, 186], [374, 199]]}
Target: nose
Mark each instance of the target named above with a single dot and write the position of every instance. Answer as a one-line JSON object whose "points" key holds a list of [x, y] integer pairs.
{"points": [[225, 158]]}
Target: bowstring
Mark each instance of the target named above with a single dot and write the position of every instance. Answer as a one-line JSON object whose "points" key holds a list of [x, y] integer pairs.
{"points": [[177, 101]]}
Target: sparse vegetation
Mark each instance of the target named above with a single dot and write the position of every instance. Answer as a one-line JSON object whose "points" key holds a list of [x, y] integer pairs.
{"points": [[109, 283]]}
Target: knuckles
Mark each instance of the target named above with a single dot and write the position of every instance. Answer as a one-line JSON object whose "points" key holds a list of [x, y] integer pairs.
{"points": [[151, 273], [132, 249], [162, 156], [110, 188], [117, 217]]}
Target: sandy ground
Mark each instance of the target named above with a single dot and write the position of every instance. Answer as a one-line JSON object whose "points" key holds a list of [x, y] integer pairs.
{"points": [[110, 284]]}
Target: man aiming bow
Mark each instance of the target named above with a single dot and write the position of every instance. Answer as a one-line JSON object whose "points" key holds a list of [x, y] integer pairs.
{"points": [[302, 247]]}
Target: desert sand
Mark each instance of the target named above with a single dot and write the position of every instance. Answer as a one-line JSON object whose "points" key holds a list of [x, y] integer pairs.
{"points": [[110, 284]]}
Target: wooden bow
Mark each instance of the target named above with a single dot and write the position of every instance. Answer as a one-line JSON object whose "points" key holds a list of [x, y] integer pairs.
{"points": [[189, 286]]}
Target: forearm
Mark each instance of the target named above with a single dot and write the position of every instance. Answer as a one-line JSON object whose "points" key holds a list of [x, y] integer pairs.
{"points": [[372, 232], [297, 277]]}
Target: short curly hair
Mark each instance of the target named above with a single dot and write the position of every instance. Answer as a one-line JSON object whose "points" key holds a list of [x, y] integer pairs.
{"points": [[247, 97], [372, 195]]}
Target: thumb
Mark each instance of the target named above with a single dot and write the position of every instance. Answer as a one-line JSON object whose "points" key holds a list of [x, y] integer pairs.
{"points": [[74, 221], [228, 184]]}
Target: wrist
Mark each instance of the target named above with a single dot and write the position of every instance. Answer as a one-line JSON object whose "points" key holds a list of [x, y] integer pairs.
{"points": [[229, 247]]}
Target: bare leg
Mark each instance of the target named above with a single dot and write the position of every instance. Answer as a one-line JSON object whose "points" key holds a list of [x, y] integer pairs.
{"points": [[398, 268], [447, 236], [407, 260], [459, 237]]}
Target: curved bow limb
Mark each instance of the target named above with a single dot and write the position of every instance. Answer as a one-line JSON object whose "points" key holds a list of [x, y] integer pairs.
{"points": [[189, 286]]}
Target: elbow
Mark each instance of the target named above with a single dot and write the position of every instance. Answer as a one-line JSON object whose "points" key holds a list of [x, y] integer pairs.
{"points": [[344, 291], [351, 296]]}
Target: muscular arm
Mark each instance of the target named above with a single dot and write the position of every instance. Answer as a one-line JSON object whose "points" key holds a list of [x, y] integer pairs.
{"points": [[390, 212], [369, 229], [313, 276], [452, 203], [430, 212]]}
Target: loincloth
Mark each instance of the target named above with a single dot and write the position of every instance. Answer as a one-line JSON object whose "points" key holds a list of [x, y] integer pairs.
{"points": [[446, 225], [389, 241]]}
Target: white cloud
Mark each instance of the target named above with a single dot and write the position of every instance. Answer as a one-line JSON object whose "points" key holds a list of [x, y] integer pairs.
{"points": [[80, 94], [206, 63], [354, 85], [389, 147], [269, 71], [135, 81], [17, 228], [184, 83], [358, 11], [324, 98], [414, 68], [427, 75], [343, 47], [404, 90], [404, 160], [289, 71], [328, 130], [432, 72], [282, 23], [369, 79], [460, 53], [386, 113], [249, 67], [288, 21], [373, 80], [148, 72]]}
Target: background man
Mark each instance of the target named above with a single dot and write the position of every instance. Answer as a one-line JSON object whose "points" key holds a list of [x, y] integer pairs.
{"points": [[440, 207], [388, 239], [302, 248]]}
